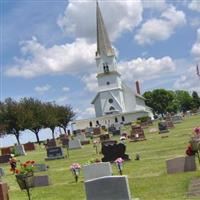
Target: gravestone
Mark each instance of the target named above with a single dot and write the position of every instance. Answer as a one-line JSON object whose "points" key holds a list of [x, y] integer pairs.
{"points": [[4, 191], [54, 153], [109, 142], [153, 130], [5, 158], [181, 164], [51, 143], [169, 124], [29, 146], [97, 131], [75, 144], [108, 188], [40, 181], [5, 151], [82, 139], [162, 126], [193, 190], [104, 137], [112, 152], [137, 134], [2, 173], [19, 150], [40, 167], [144, 125], [177, 119], [97, 170]]}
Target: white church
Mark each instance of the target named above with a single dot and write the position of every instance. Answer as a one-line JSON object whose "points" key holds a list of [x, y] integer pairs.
{"points": [[114, 102]]}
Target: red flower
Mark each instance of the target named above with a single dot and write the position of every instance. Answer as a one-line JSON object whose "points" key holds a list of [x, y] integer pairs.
{"points": [[24, 165], [28, 162], [17, 171], [32, 162]]}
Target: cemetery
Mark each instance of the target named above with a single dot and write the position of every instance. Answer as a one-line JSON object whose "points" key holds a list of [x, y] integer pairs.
{"points": [[161, 164]]}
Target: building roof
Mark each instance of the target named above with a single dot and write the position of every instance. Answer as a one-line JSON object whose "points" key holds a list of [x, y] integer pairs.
{"points": [[103, 42]]}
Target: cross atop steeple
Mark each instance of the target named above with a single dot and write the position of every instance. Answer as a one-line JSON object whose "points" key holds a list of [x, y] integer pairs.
{"points": [[103, 42]]}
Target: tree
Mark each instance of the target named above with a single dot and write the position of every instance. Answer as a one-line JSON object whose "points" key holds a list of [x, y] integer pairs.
{"points": [[65, 114], [159, 100], [184, 99], [34, 115], [195, 99], [51, 118], [12, 117]]}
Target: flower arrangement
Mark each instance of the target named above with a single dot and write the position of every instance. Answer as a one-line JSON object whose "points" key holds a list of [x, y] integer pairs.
{"points": [[197, 131], [75, 169], [13, 164], [119, 163], [25, 168], [189, 151]]}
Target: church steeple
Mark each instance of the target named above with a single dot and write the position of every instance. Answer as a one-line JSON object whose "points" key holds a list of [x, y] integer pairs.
{"points": [[103, 42]]}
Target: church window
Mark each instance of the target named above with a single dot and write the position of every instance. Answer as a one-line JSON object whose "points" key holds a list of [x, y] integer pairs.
{"points": [[90, 124], [105, 68], [123, 119], [97, 122], [110, 100], [108, 83], [112, 108], [116, 120]]}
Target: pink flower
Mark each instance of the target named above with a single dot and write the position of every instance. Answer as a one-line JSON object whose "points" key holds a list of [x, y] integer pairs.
{"points": [[197, 130], [75, 166], [119, 160]]}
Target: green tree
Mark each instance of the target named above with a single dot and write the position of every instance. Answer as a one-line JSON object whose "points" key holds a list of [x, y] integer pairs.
{"points": [[12, 117], [195, 99], [65, 114], [34, 115]]}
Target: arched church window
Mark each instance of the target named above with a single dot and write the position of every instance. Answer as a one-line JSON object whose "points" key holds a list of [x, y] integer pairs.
{"points": [[116, 120], [108, 83], [97, 122], [105, 68], [112, 108], [123, 119], [90, 124], [110, 100]]}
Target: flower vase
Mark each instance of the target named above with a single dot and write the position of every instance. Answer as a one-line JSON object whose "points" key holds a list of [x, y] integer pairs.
{"points": [[120, 167], [25, 181], [76, 174]]}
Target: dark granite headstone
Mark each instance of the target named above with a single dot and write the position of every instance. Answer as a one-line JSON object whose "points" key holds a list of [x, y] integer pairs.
{"points": [[5, 151], [54, 153], [40, 181], [5, 158], [162, 126], [112, 152]]}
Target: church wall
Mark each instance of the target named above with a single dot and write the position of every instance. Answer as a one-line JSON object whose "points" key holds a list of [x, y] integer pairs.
{"points": [[98, 108], [140, 101]]}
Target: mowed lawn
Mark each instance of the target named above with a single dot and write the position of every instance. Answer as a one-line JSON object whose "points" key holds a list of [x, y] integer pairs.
{"points": [[148, 179]]}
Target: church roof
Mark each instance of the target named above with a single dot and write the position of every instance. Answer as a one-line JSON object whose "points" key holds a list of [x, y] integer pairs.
{"points": [[103, 42]]}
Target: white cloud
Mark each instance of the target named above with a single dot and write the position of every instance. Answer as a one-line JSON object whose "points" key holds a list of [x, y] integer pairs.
{"points": [[38, 60], [79, 19], [196, 47], [188, 81], [146, 69], [65, 89], [42, 89], [161, 28], [194, 5], [62, 100], [90, 82], [86, 113], [137, 69]]}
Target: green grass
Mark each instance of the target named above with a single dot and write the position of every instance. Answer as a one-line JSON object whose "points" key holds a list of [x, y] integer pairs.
{"points": [[148, 179]]}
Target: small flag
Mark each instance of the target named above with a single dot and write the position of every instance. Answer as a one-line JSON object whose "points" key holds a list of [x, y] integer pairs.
{"points": [[198, 73]]}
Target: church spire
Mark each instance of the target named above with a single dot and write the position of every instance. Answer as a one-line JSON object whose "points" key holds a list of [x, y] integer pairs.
{"points": [[103, 42]]}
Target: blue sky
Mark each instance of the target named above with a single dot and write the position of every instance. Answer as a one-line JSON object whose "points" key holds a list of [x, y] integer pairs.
{"points": [[48, 47]]}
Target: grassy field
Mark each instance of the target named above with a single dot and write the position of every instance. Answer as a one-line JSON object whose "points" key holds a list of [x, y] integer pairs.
{"points": [[148, 179]]}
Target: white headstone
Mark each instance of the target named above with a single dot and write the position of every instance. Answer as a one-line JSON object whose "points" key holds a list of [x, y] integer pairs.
{"points": [[19, 150], [2, 173], [75, 144], [97, 170], [81, 137], [108, 188]]}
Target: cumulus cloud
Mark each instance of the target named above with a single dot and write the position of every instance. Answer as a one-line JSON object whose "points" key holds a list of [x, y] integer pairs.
{"points": [[140, 68], [79, 19], [38, 60], [42, 89], [90, 82], [65, 89], [196, 47], [194, 5], [158, 29], [188, 81], [86, 113], [155, 4]]}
